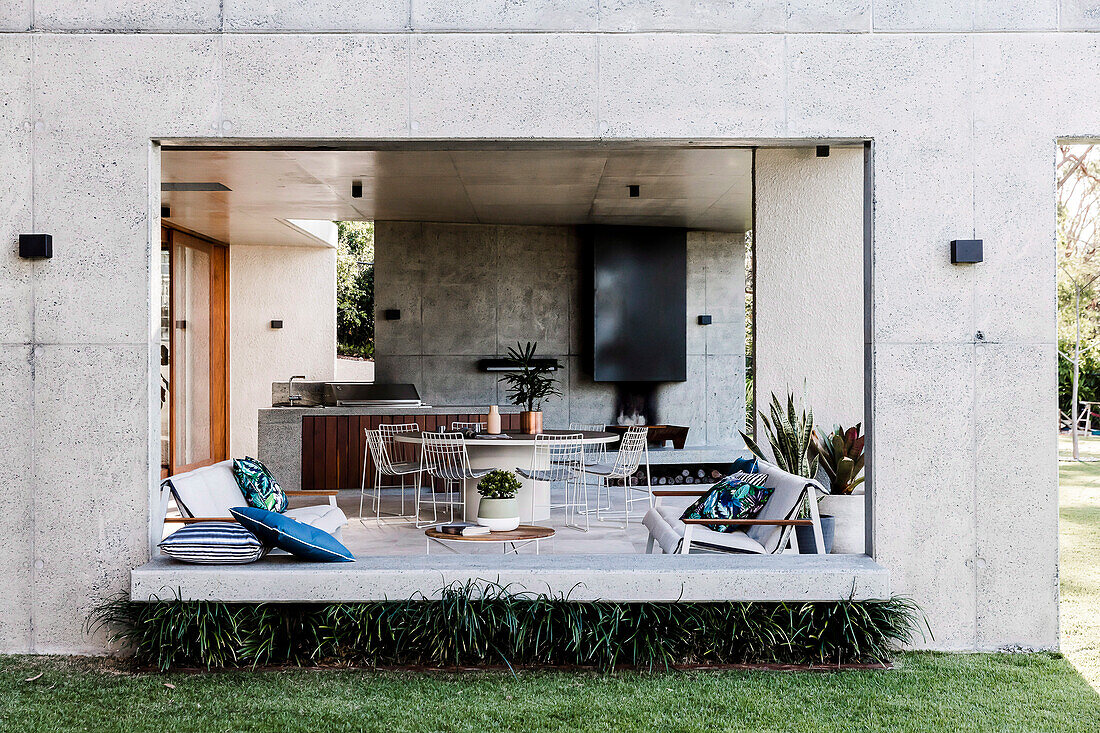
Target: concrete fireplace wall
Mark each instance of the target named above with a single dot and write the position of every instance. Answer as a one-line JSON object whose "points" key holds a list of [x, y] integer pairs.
{"points": [[468, 291]]}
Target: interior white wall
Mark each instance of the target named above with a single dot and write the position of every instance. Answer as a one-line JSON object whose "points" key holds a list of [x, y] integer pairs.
{"points": [[296, 285], [809, 281]]}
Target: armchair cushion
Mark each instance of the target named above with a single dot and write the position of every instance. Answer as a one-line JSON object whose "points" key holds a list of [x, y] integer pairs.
{"points": [[666, 529], [258, 485], [729, 499], [213, 543], [300, 540], [206, 492]]}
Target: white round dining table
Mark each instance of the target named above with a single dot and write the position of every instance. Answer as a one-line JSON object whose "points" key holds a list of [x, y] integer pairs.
{"points": [[508, 454]]}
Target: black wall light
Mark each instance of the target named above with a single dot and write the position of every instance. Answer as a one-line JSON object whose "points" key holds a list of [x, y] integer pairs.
{"points": [[36, 246], [823, 151], [276, 324], [705, 320], [357, 189], [634, 190], [966, 251], [391, 314]]}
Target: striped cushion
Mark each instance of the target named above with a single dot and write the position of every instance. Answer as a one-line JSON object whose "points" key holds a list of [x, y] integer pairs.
{"points": [[753, 479], [213, 543]]}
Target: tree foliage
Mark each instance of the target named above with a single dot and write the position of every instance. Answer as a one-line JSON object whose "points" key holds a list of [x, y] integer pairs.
{"points": [[355, 289]]}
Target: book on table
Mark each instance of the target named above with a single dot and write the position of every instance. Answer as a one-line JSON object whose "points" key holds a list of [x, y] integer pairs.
{"points": [[462, 529]]}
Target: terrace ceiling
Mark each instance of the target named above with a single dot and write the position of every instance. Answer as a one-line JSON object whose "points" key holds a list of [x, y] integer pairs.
{"points": [[703, 188]]}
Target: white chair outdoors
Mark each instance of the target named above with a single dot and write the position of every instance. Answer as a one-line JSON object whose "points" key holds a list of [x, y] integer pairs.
{"points": [[769, 533], [208, 493], [593, 452], [560, 459], [444, 456], [633, 449], [381, 451], [477, 427]]}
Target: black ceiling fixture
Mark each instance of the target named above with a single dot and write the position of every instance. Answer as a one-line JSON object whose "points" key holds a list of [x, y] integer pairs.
{"points": [[357, 189], [635, 190], [195, 186], [823, 151]]}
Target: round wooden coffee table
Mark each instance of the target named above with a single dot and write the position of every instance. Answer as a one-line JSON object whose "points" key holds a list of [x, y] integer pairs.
{"points": [[521, 536]]}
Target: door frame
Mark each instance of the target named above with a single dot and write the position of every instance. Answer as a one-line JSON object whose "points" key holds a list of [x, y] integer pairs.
{"points": [[219, 347]]}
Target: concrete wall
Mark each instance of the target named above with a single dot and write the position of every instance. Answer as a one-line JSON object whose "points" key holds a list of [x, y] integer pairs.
{"points": [[470, 291], [296, 285], [809, 281], [963, 123]]}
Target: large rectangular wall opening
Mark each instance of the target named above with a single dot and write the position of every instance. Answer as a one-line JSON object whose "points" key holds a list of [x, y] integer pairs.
{"points": [[479, 248]]}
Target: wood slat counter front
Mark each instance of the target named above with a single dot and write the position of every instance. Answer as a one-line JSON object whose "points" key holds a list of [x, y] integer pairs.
{"points": [[333, 445]]}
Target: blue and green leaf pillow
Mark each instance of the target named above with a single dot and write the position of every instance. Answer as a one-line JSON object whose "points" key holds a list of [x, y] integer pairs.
{"points": [[730, 498], [258, 485]]}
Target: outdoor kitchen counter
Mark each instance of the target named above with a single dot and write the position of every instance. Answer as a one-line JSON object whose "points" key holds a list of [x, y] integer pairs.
{"points": [[322, 447]]}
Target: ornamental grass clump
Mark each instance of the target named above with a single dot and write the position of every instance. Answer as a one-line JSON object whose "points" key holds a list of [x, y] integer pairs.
{"points": [[485, 624]]}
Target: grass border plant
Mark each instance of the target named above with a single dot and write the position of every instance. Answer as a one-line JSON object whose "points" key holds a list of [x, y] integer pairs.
{"points": [[483, 623]]}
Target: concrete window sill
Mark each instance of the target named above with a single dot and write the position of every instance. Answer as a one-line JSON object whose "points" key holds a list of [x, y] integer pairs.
{"points": [[624, 578]]}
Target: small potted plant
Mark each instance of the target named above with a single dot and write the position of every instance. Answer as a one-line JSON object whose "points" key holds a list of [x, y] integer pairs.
{"points": [[529, 386], [841, 458], [498, 509]]}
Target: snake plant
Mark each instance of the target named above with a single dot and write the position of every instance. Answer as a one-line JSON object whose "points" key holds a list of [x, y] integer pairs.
{"points": [[789, 434]]}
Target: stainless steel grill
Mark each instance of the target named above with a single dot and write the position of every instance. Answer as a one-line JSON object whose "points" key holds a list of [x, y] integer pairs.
{"points": [[368, 394]]}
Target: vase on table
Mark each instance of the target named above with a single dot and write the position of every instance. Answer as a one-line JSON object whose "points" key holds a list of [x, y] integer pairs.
{"points": [[492, 421]]}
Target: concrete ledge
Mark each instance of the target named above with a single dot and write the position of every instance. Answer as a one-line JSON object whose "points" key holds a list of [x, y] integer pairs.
{"points": [[583, 577]]}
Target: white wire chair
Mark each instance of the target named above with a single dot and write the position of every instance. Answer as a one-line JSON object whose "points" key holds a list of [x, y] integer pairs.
{"points": [[633, 449], [477, 427], [593, 452], [443, 456], [559, 458], [383, 450]]}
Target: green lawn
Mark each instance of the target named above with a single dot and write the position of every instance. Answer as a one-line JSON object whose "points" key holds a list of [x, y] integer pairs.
{"points": [[926, 692]]}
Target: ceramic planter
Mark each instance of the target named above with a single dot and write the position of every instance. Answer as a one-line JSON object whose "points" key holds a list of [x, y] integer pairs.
{"points": [[499, 515], [805, 535], [848, 510], [531, 422]]}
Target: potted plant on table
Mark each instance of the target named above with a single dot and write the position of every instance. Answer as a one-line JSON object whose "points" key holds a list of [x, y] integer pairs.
{"points": [[529, 386], [498, 508], [841, 457]]}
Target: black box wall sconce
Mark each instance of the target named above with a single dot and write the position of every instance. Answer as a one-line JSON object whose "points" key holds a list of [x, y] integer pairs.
{"points": [[276, 324], [705, 320], [391, 314], [823, 151], [357, 189], [966, 251], [36, 246], [634, 190], [165, 212]]}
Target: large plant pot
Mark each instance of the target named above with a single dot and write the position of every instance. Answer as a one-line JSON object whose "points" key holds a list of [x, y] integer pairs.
{"points": [[805, 536], [499, 515], [849, 536], [530, 422]]}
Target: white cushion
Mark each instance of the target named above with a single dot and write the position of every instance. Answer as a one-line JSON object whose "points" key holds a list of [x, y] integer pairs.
{"points": [[322, 516], [209, 491]]}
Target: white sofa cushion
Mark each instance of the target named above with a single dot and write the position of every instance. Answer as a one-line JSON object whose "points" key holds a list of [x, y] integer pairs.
{"points": [[322, 516], [208, 491]]}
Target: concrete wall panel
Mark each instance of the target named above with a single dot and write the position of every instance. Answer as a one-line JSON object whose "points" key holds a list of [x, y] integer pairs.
{"points": [[705, 85], [753, 16], [16, 122], [127, 15], [563, 15], [15, 15], [924, 482], [316, 15], [91, 505], [17, 500], [1016, 568], [828, 16], [524, 85], [936, 15], [1080, 15], [337, 86], [996, 15]]}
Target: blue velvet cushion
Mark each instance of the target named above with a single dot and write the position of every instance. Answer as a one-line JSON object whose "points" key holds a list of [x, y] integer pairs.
{"points": [[745, 465], [300, 540]]}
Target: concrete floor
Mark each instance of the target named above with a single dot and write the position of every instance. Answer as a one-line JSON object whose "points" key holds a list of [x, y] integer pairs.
{"points": [[394, 536]]}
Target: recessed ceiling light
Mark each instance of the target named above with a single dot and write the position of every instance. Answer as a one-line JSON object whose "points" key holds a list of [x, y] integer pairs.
{"points": [[195, 186]]}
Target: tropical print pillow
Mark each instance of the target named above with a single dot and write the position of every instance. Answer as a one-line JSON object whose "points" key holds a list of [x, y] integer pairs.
{"points": [[259, 486], [729, 499]]}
